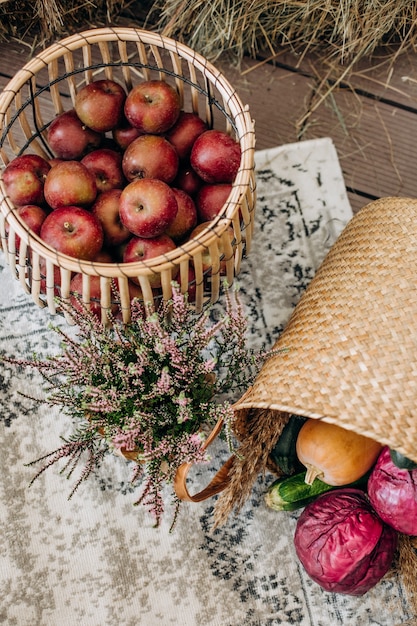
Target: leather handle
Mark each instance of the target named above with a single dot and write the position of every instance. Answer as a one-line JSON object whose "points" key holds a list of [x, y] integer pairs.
{"points": [[216, 485]]}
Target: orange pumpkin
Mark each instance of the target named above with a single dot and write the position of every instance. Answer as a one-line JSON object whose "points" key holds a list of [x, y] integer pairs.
{"points": [[334, 454]]}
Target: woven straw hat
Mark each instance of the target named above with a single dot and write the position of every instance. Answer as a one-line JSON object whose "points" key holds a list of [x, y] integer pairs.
{"points": [[349, 352]]}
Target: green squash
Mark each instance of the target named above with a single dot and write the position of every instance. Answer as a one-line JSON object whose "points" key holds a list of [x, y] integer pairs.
{"points": [[402, 461], [284, 454], [290, 493]]}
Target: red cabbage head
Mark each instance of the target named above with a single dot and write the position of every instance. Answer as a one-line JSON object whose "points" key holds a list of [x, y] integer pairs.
{"points": [[343, 544], [393, 494]]}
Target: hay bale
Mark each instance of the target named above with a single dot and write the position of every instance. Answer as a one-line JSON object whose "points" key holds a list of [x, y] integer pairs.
{"points": [[46, 20], [339, 30]]}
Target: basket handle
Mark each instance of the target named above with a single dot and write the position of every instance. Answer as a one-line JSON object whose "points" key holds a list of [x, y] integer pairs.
{"points": [[216, 485]]}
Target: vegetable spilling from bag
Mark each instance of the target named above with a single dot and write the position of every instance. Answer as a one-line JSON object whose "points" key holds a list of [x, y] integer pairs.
{"points": [[357, 496]]}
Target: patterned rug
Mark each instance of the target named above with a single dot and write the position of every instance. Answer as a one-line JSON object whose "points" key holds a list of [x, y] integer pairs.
{"points": [[96, 560]]}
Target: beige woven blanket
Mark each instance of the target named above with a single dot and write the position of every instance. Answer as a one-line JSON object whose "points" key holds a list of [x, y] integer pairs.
{"points": [[96, 560]]}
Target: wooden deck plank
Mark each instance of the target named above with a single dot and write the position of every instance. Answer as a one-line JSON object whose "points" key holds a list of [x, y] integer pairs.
{"points": [[375, 142], [372, 120], [374, 139], [385, 76], [276, 98], [395, 82]]}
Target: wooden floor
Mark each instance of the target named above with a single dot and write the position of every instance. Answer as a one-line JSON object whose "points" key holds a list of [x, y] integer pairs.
{"points": [[371, 116]]}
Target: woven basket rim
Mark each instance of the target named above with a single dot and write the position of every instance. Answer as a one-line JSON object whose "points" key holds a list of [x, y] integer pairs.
{"points": [[242, 122]]}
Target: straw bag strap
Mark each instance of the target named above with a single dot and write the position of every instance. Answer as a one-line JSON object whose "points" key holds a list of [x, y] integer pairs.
{"points": [[216, 485]]}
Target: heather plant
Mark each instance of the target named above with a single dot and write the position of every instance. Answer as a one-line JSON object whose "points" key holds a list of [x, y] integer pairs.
{"points": [[150, 390]]}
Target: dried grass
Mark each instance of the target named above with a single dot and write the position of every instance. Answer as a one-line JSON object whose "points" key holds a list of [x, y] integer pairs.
{"points": [[340, 30], [46, 20], [407, 564], [257, 431], [336, 34]]}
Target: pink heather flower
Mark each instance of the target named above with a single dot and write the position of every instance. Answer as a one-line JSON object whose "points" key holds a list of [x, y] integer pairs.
{"points": [[184, 406], [152, 499], [197, 440], [209, 365], [126, 439], [184, 415], [102, 401], [180, 309], [164, 384], [139, 383], [182, 400]]}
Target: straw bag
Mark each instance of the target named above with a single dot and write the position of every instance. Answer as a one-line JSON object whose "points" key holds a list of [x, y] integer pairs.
{"points": [[349, 352], [348, 355], [46, 86]]}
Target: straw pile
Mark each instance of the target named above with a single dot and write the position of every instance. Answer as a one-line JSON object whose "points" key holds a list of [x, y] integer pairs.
{"points": [[341, 30], [45, 20]]}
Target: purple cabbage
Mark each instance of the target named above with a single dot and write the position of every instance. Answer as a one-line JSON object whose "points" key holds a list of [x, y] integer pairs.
{"points": [[343, 544], [393, 494]]}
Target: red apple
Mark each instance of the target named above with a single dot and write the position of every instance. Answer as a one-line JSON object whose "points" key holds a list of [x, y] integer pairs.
{"points": [[206, 256], [24, 179], [54, 161], [185, 131], [73, 231], [215, 156], [69, 138], [70, 183], [106, 166], [124, 134], [186, 218], [150, 156], [152, 106], [187, 179], [140, 249], [57, 279], [33, 216], [106, 209], [99, 104], [103, 257], [147, 207], [210, 200], [76, 290]]}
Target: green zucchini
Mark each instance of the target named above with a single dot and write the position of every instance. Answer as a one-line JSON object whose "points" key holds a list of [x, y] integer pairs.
{"points": [[402, 461], [289, 493], [284, 454]]}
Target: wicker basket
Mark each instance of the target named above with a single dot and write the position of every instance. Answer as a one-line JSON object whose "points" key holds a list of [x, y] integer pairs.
{"points": [[47, 85], [348, 354]]}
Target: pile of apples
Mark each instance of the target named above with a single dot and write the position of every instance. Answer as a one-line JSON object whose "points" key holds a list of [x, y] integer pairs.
{"points": [[132, 177]]}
